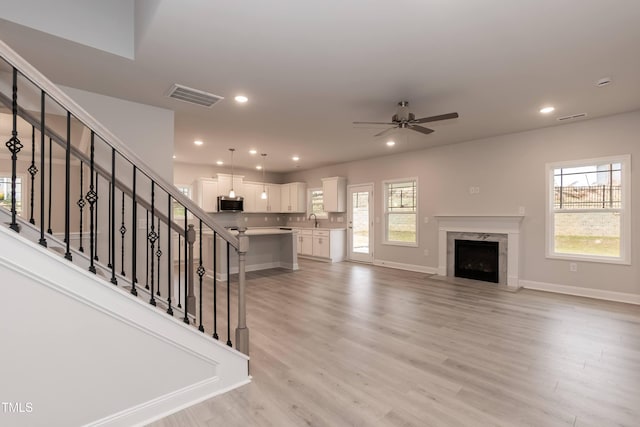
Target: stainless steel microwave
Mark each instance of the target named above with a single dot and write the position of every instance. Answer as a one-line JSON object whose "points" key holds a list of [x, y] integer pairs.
{"points": [[230, 204]]}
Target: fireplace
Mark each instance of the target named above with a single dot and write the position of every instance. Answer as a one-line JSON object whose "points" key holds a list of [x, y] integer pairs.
{"points": [[477, 259]]}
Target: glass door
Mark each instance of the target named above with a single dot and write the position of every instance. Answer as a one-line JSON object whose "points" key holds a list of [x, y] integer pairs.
{"points": [[360, 228]]}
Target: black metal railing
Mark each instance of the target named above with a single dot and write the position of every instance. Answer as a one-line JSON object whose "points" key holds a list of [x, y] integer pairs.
{"points": [[588, 197], [81, 152]]}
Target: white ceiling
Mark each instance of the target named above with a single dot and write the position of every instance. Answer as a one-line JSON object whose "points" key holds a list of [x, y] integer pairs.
{"points": [[311, 68]]}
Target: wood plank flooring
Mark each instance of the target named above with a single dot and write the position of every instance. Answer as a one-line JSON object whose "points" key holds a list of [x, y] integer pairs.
{"points": [[356, 345]]}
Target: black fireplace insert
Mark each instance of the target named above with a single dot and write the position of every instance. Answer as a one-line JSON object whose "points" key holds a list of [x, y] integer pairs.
{"points": [[477, 260]]}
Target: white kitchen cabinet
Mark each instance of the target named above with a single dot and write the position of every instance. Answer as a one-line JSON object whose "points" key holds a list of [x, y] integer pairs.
{"points": [[334, 194], [206, 194], [251, 193], [293, 197], [305, 242], [323, 245], [272, 202], [224, 184]]}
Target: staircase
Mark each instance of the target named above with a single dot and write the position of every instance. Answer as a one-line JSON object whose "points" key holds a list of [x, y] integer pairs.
{"points": [[113, 318]]}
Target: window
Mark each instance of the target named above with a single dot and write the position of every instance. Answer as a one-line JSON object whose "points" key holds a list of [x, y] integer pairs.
{"points": [[400, 210], [316, 203], [5, 193], [589, 210], [178, 209]]}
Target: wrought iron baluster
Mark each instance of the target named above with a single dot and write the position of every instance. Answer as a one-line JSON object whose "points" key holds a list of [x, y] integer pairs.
{"points": [[95, 242], [228, 298], [169, 257], [112, 229], [14, 145], [146, 283], [42, 240], [33, 170], [201, 272], [186, 269], [92, 198], [49, 230], [123, 231], [109, 205], [153, 236], [81, 203], [179, 271], [134, 235], [158, 254], [215, 286], [67, 190]]}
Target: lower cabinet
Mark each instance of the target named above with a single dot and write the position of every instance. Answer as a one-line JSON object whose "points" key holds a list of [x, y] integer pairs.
{"points": [[326, 245]]}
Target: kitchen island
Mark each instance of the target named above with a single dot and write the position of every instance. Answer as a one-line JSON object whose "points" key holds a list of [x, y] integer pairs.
{"points": [[269, 247]]}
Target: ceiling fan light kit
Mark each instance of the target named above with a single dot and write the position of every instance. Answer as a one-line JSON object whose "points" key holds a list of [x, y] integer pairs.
{"points": [[404, 119]]}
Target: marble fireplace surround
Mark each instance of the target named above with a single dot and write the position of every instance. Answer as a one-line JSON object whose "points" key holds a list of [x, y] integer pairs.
{"points": [[508, 225]]}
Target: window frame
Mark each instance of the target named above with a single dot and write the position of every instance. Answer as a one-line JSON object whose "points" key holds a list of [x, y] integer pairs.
{"points": [[386, 213], [321, 215], [624, 210]]}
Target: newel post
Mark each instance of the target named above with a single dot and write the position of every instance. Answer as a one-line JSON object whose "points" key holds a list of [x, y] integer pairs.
{"points": [[242, 332], [190, 304]]}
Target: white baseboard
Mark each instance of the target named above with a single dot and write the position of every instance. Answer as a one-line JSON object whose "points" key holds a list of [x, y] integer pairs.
{"points": [[408, 267], [166, 405], [582, 292]]}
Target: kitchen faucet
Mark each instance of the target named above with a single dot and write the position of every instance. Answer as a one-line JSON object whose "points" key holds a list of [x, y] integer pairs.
{"points": [[315, 224]]}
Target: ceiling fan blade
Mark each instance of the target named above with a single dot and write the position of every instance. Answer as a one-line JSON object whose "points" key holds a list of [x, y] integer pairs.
{"points": [[421, 129], [385, 132], [374, 123], [436, 118]]}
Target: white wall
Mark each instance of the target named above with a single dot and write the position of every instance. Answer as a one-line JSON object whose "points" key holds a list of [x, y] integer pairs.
{"points": [[510, 171], [105, 25]]}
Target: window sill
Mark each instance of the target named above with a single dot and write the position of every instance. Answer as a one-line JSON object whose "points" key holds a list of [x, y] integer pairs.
{"points": [[589, 258], [404, 244]]}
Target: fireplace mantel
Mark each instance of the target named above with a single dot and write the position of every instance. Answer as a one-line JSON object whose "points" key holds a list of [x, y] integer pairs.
{"points": [[501, 224]]}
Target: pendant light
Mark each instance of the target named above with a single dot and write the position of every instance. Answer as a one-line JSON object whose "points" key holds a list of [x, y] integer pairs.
{"points": [[232, 193], [263, 196]]}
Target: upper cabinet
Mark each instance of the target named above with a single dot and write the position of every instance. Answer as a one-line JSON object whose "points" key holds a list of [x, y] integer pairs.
{"points": [[334, 194], [293, 197], [206, 194], [224, 185]]}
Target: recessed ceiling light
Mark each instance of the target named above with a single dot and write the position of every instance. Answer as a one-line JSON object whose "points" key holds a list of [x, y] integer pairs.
{"points": [[219, 163], [241, 99], [295, 158], [198, 142], [547, 110], [253, 152], [391, 143], [174, 156], [259, 167]]}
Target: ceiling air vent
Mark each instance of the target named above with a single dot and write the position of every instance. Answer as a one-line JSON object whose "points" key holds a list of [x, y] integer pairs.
{"points": [[193, 96], [572, 117]]}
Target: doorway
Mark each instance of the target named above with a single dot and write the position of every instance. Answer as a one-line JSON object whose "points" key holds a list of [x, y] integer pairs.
{"points": [[360, 227]]}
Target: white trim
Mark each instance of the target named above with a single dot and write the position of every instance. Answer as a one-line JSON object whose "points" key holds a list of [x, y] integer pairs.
{"points": [[582, 292], [407, 267], [625, 211], [163, 406], [371, 189]]}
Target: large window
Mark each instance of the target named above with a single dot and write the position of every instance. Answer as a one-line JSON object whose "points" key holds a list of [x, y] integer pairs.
{"points": [[178, 209], [589, 210], [5, 193], [400, 211]]}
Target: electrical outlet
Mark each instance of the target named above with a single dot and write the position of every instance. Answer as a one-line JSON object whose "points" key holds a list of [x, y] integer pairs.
{"points": [[266, 219], [521, 210], [426, 219], [573, 267], [477, 189], [331, 219], [472, 190]]}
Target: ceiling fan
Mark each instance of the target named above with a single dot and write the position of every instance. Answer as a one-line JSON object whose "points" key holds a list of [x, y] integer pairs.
{"points": [[403, 119]]}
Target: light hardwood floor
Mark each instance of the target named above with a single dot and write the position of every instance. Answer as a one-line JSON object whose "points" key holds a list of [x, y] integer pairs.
{"points": [[348, 344]]}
